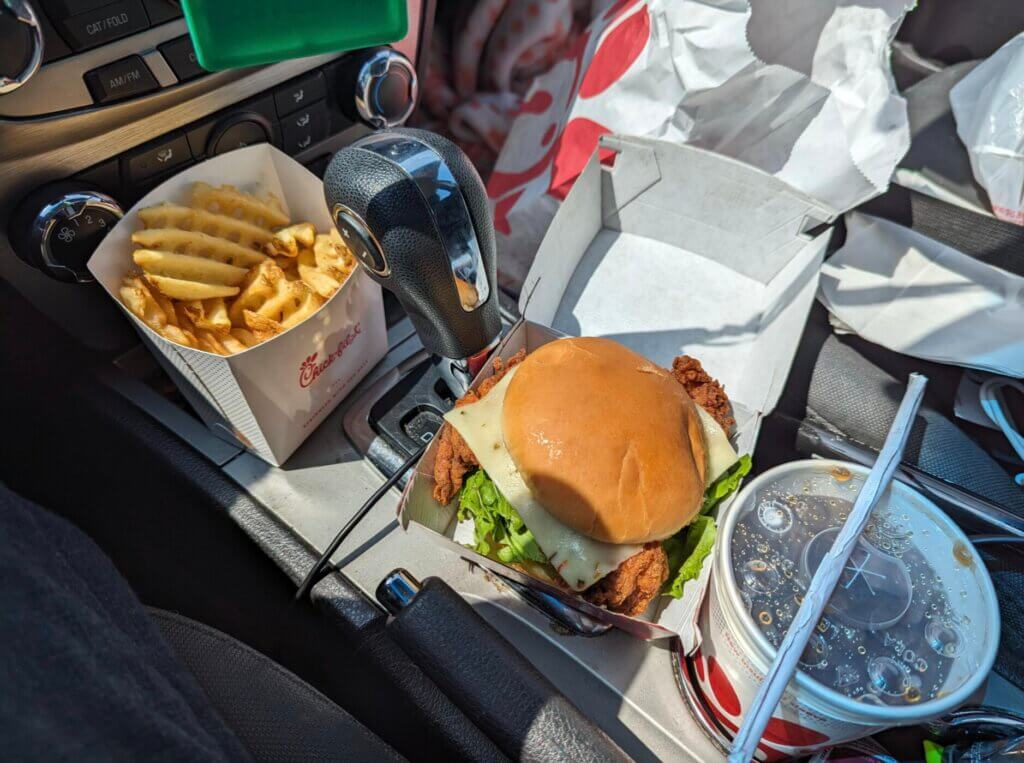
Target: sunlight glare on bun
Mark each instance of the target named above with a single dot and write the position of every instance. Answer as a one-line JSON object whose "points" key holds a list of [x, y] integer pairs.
{"points": [[608, 442]]}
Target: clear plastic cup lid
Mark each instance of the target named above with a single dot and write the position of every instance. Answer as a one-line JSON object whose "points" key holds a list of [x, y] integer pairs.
{"points": [[910, 618]]}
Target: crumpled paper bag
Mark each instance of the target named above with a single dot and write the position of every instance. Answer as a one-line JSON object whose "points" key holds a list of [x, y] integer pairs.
{"points": [[909, 293], [799, 88], [988, 106]]}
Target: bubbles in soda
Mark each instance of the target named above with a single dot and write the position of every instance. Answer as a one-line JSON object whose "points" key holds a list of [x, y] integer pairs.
{"points": [[944, 638], [775, 516], [889, 635], [759, 576], [887, 676]]}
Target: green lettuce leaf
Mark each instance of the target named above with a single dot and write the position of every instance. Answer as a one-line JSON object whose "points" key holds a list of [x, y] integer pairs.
{"points": [[500, 533], [727, 484], [498, 529], [686, 551]]}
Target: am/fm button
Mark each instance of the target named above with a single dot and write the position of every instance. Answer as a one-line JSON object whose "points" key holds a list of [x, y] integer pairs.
{"points": [[122, 79]]}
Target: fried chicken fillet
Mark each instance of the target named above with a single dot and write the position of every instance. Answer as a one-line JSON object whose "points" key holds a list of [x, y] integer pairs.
{"points": [[632, 586], [703, 390], [454, 458]]}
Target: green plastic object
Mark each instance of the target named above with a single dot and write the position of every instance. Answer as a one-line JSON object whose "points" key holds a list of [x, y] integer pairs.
{"points": [[932, 752], [228, 34]]}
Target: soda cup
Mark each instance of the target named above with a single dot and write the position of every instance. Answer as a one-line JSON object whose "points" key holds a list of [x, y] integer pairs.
{"points": [[910, 632]]}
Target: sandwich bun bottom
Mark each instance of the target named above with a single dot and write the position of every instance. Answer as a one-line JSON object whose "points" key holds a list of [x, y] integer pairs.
{"points": [[608, 442]]}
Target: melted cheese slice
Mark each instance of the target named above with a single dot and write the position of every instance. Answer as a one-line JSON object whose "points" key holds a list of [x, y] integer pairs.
{"points": [[581, 561], [720, 453]]}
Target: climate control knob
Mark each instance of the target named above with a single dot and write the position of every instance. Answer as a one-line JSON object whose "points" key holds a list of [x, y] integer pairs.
{"points": [[58, 227], [21, 44], [238, 131], [383, 87]]}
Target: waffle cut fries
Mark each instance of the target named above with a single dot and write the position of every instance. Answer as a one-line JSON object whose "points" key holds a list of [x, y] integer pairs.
{"points": [[230, 269], [153, 309], [326, 266], [271, 303], [288, 241]]}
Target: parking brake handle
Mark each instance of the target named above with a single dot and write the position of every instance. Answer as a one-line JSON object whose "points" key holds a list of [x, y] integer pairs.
{"points": [[414, 211], [482, 673]]}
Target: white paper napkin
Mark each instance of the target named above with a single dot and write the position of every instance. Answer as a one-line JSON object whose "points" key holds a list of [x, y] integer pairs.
{"points": [[902, 290]]}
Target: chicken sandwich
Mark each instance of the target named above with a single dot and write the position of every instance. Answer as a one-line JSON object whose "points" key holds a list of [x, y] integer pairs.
{"points": [[590, 467]]}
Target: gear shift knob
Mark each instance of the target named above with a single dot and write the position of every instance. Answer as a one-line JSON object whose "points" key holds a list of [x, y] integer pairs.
{"points": [[414, 211]]}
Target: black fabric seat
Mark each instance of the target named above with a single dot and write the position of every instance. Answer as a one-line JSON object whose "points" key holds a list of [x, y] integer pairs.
{"points": [[275, 714], [86, 673]]}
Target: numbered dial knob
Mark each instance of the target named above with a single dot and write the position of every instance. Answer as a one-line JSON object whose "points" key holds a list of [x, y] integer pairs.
{"points": [[385, 87], [21, 44], [58, 227]]}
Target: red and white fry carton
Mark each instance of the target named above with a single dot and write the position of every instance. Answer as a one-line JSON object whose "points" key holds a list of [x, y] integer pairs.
{"points": [[671, 250], [270, 397]]}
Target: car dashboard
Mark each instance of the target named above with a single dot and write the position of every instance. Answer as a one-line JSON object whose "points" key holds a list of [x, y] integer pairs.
{"points": [[116, 111]]}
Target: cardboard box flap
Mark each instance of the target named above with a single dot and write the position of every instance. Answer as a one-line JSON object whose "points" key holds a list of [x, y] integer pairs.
{"points": [[710, 204], [675, 250]]}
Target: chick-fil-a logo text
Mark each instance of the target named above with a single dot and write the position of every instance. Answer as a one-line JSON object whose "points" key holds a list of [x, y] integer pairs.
{"points": [[310, 369]]}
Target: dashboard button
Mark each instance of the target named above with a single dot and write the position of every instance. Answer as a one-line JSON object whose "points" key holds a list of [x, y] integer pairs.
{"points": [[139, 190], [260, 110], [244, 130], [305, 127], [161, 11], [56, 228], [158, 158], [392, 96], [105, 24], [264, 106], [299, 93], [377, 86], [122, 79], [181, 56], [75, 232], [198, 135]]}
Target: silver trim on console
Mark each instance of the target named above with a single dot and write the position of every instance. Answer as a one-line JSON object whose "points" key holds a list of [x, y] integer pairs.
{"points": [[23, 12], [459, 373], [374, 69], [68, 207]]}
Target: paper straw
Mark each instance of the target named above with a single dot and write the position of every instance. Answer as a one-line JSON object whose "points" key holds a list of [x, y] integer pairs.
{"points": [[827, 576]]}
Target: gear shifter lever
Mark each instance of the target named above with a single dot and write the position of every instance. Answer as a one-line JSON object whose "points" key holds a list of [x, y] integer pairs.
{"points": [[414, 211]]}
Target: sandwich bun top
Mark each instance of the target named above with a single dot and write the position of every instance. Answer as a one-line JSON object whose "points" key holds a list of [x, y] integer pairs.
{"points": [[608, 442]]}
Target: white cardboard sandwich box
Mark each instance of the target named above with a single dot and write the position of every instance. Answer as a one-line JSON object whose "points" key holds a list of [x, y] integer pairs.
{"points": [[270, 397], [671, 250]]}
